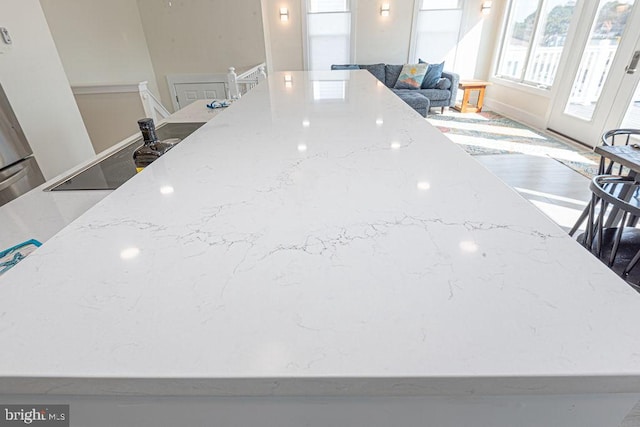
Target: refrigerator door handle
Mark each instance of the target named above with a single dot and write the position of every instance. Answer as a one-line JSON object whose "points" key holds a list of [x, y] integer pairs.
{"points": [[14, 178]]}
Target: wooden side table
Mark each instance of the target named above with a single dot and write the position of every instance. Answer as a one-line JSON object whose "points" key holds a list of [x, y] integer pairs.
{"points": [[468, 86]]}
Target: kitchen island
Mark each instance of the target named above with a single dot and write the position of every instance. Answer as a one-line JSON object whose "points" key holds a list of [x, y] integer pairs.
{"points": [[319, 255]]}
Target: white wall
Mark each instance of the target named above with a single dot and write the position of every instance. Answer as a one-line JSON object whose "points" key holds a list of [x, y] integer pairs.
{"points": [[100, 41], [38, 90], [383, 38], [475, 46], [486, 47], [284, 41], [201, 36], [110, 117]]}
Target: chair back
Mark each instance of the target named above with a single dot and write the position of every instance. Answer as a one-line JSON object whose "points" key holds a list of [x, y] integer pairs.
{"points": [[618, 245], [617, 137], [608, 166]]}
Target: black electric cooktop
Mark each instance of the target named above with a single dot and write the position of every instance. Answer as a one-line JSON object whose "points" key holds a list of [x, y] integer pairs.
{"points": [[113, 171]]}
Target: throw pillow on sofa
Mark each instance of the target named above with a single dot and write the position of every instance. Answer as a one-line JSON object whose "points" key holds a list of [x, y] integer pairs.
{"points": [[434, 73], [443, 83], [411, 76]]}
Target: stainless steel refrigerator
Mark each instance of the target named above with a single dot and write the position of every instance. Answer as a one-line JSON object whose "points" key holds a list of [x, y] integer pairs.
{"points": [[19, 171]]}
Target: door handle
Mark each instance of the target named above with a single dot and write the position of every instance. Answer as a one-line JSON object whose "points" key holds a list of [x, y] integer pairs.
{"points": [[14, 178], [631, 68]]}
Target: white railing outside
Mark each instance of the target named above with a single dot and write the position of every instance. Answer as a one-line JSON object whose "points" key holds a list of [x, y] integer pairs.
{"points": [[239, 84], [591, 75], [544, 65], [595, 65]]}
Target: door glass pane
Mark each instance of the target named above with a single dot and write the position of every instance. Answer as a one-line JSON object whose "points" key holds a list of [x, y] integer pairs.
{"points": [[597, 57], [632, 118], [555, 17]]}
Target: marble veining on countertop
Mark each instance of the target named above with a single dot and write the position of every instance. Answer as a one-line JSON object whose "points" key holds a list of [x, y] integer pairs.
{"points": [[318, 231]]}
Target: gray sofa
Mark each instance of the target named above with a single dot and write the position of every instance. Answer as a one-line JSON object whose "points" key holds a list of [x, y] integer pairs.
{"points": [[442, 96]]}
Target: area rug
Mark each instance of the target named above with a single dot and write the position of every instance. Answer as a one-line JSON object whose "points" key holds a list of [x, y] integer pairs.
{"points": [[488, 133]]}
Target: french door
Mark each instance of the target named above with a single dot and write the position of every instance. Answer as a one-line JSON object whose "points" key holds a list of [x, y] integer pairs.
{"points": [[598, 90]]}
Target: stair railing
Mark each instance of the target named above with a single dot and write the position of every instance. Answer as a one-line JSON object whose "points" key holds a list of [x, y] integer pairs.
{"points": [[239, 84]]}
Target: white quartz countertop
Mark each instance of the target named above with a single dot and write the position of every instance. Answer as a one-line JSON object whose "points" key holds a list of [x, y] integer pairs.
{"points": [[318, 238]]}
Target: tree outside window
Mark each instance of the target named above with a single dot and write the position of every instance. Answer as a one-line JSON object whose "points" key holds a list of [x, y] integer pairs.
{"points": [[535, 35]]}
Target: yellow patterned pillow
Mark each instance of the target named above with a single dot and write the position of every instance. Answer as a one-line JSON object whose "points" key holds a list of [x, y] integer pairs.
{"points": [[411, 76]]}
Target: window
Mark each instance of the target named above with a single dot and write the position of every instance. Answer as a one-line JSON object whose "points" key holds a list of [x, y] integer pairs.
{"points": [[437, 31], [328, 38], [534, 37]]}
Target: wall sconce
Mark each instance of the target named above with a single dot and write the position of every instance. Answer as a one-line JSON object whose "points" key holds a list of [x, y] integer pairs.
{"points": [[486, 7], [384, 9], [284, 14]]}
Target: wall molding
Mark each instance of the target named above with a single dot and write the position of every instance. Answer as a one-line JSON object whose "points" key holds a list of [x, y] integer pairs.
{"points": [[105, 88]]}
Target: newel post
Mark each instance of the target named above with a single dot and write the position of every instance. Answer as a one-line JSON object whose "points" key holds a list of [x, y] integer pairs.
{"points": [[232, 82]]}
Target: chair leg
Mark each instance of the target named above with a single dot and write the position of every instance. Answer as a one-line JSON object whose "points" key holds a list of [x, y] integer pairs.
{"points": [[588, 232], [441, 110], [603, 208], [631, 264], [616, 242], [583, 216]]}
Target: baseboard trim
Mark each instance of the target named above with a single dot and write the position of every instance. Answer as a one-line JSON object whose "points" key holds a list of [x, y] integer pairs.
{"points": [[531, 120], [516, 114]]}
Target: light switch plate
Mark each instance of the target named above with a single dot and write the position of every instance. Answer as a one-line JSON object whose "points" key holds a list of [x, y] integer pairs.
{"points": [[5, 40]]}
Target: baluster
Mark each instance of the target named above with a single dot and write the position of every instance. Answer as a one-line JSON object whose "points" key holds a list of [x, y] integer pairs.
{"points": [[232, 82]]}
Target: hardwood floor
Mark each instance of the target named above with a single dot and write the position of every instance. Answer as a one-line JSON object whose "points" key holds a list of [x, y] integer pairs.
{"points": [[558, 191]]}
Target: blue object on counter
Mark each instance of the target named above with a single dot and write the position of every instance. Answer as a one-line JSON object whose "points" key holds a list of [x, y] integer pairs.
{"points": [[12, 256], [218, 104]]}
